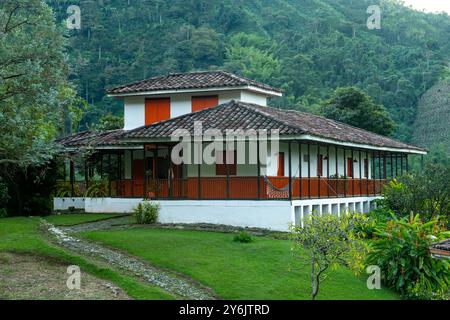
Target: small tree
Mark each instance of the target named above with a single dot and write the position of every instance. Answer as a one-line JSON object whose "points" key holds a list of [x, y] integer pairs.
{"points": [[328, 240]]}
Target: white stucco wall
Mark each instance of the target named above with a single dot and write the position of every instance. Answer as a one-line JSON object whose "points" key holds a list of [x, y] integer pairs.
{"points": [[134, 112], [64, 204], [274, 215], [253, 97], [181, 103]]}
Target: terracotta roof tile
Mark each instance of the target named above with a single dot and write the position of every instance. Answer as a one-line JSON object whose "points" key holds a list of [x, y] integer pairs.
{"points": [[239, 115], [236, 115], [190, 80]]}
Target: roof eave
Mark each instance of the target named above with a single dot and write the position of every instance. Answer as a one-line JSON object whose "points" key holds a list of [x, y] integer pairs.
{"points": [[267, 92]]}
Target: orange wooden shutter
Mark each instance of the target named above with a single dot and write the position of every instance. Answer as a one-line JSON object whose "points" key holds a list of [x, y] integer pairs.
{"points": [[280, 172], [205, 102], [157, 110]]}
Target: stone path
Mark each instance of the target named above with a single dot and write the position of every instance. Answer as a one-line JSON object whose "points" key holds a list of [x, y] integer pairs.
{"points": [[177, 285]]}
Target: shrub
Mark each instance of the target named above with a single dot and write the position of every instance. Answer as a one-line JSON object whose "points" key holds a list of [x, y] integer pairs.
{"points": [[64, 190], [427, 193], [402, 253], [243, 237], [147, 212], [328, 241], [97, 189]]}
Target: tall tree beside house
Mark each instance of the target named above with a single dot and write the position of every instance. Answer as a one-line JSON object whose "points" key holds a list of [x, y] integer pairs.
{"points": [[353, 106], [32, 90]]}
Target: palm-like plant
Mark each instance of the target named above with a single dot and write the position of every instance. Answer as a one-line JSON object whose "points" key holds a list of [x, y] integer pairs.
{"points": [[401, 250]]}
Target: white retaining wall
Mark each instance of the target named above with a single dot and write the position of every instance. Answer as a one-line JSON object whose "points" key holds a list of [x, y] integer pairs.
{"points": [[273, 215], [64, 204]]}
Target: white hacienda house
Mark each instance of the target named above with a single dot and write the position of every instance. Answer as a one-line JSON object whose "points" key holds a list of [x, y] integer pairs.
{"points": [[319, 165]]}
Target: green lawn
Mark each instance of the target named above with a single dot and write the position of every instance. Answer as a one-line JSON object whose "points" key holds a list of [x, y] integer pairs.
{"points": [[73, 219], [22, 235], [260, 270]]}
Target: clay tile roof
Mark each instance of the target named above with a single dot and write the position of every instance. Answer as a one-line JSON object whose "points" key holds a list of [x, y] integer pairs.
{"points": [[190, 80], [441, 249], [239, 115], [92, 138], [236, 115]]}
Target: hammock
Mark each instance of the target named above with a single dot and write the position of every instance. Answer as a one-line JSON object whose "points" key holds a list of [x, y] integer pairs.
{"points": [[270, 184]]}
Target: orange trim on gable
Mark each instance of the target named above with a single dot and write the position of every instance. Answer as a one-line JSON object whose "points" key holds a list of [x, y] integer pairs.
{"points": [[157, 110], [204, 102]]}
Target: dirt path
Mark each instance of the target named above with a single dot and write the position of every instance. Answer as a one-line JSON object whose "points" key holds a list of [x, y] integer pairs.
{"points": [[28, 277], [180, 286]]}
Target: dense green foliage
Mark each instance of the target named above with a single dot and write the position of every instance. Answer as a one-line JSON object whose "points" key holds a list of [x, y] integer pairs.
{"points": [[307, 47], [426, 193], [147, 212], [401, 250], [35, 103], [433, 118], [256, 271], [353, 106]]}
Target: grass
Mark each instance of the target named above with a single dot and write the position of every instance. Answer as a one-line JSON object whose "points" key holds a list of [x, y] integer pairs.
{"points": [[22, 235], [259, 270], [74, 219]]}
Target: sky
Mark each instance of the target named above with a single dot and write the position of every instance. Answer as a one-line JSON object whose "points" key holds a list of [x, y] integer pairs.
{"points": [[430, 5]]}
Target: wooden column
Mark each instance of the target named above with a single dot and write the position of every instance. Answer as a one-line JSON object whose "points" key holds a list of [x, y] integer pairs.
{"points": [[109, 174], [119, 176], [379, 168], [169, 175], [328, 171], [345, 174], [407, 163], [360, 173], [317, 169], [373, 173], [368, 173], [336, 149], [86, 174], [145, 175], [258, 166], [199, 177], [401, 164], [300, 165], [72, 177], [309, 170], [227, 170], [353, 173], [132, 171], [290, 168]]}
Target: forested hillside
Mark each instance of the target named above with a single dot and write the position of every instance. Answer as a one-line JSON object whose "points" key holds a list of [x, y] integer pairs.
{"points": [[306, 47], [432, 126]]}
